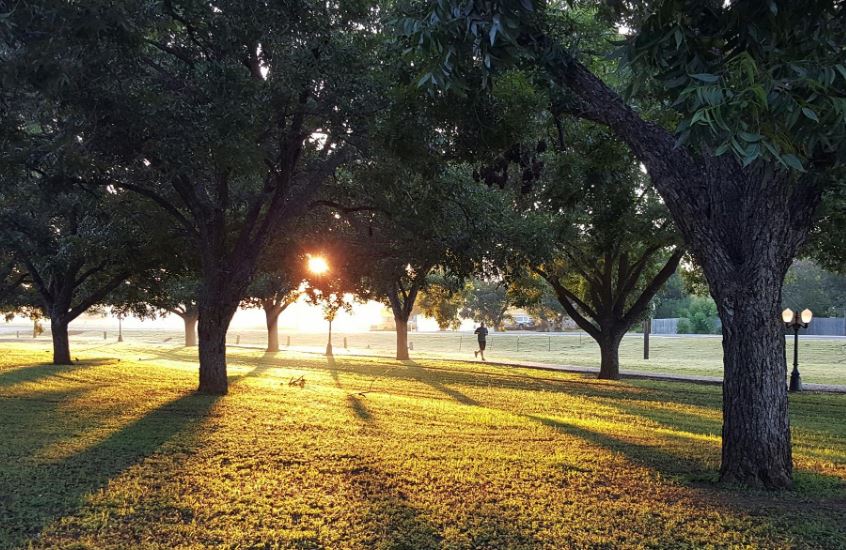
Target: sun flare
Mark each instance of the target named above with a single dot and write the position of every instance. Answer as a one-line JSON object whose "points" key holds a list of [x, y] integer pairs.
{"points": [[317, 265]]}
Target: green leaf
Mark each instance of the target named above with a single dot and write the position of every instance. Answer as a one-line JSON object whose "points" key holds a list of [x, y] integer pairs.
{"points": [[759, 92], [751, 137], [675, 82], [700, 116], [722, 148], [810, 114], [793, 161], [679, 38], [495, 26], [705, 77]]}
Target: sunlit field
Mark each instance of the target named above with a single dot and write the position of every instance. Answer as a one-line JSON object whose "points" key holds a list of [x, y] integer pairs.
{"points": [[822, 360], [117, 451]]}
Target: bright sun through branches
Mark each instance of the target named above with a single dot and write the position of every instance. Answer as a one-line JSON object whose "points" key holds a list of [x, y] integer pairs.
{"points": [[317, 265]]}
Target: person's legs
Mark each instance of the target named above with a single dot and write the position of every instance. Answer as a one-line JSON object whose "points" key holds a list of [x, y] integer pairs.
{"points": [[482, 345]]}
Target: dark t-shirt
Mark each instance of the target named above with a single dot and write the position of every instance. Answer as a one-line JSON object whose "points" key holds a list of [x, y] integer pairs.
{"points": [[482, 333]]}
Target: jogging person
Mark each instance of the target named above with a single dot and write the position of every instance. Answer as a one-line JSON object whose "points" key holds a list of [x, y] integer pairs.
{"points": [[482, 336]]}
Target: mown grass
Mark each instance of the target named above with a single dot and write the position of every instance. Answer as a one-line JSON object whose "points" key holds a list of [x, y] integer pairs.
{"points": [[117, 451], [822, 360]]}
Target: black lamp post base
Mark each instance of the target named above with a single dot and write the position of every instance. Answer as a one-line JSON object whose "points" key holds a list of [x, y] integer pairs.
{"points": [[795, 381]]}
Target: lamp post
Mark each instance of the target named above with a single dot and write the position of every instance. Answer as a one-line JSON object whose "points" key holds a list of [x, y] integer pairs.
{"points": [[791, 320], [329, 341], [319, 266]]}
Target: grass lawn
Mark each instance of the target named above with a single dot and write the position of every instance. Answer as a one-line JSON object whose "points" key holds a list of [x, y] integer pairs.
{"points": [[821, 360], [117, 451]]}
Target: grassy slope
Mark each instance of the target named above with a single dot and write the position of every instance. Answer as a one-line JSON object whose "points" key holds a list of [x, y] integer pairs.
{"points": [[435, 454]]}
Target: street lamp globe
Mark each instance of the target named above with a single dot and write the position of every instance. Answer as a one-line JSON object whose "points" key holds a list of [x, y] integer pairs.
{"points": [[807, 315], [787, 315]]}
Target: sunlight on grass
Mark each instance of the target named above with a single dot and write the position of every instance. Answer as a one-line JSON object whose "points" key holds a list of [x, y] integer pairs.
{"points": [[386, 454]]}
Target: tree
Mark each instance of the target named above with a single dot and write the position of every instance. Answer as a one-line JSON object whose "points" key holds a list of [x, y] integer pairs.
{"points": [[13, 279], [409, 207], [76, 249], [594, 228], [825, 245], [158, 292], [808, 285], [442, 299], [672, 300], [394, 251], [757, 88], [334, 280], [273, 289], [228, 116], [487, 301], [699, 316]]}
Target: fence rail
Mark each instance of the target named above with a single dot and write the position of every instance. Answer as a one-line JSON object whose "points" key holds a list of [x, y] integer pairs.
{"points": [[819, 326], [826, 326]]}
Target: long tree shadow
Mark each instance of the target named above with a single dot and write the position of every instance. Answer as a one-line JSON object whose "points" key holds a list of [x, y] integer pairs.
{"points": [[823, 506], [359, 408], [34, 421], [37, 372], [422, 375], [34, 493], [387, 519], [508, 379], [648, 456], [259, 368], [333, 369], [672, 419], [390, 520]]}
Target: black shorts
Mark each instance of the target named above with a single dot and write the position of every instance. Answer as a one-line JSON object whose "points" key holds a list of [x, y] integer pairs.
{"points": [[482, 344]]}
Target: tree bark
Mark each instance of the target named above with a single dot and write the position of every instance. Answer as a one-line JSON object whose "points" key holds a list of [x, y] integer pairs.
{"points": [[758, 220], [214, 320], [609, 349], [61, 342], [272, 320], [402, 337], [190, 321], [756, 430], [402, 300]]}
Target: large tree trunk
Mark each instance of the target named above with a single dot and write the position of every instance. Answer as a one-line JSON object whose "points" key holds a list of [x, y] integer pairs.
{"points": [[272, 320], [756, 429], [609, 349], [402, 303], [215, 317], [402, 337], [61, 343], [190, 321], [756, 228]]}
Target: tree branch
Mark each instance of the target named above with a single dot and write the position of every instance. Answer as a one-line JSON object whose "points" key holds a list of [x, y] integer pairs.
{"points": [[89, 273], [97, 296], [562, 292], [653, 287]]}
